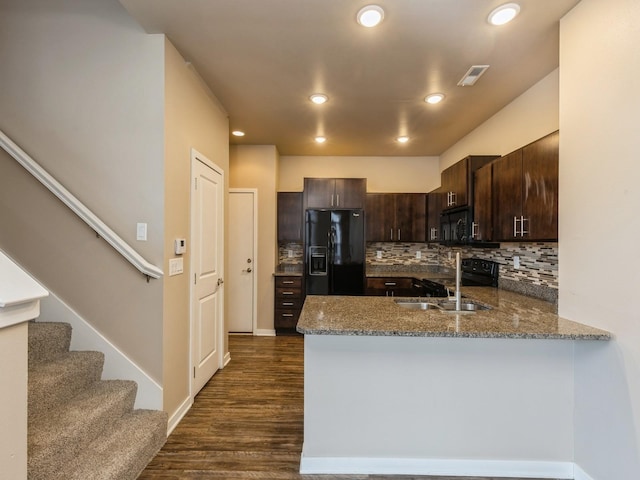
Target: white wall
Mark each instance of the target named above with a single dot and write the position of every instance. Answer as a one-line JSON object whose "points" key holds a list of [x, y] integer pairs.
{"points": [[600, 227], [81, 90], [383, 174], [532, 115]]}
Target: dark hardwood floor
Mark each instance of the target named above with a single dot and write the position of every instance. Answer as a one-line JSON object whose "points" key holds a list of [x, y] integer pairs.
{"points": [[246, 423]]}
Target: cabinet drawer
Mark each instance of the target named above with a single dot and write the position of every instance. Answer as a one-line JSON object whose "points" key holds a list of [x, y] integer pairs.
{"points": [[389, 283], [286, 318], [289, 282], [288, 303], [288, 292]]}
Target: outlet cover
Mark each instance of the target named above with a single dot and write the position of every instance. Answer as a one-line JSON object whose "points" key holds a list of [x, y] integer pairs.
{"points": [[418, 254], [379, 254], [516, 262]]}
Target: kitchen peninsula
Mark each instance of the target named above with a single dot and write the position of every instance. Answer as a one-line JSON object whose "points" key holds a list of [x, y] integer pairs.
{"points": [[401, 391]]}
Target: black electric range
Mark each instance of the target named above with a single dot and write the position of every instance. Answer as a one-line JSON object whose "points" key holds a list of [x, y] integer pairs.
{"points": [[475, 272]]}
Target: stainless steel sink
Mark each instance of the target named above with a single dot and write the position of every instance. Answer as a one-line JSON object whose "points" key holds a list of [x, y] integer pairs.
{"points": [[417, 305], [464, 306], [447, 306]]}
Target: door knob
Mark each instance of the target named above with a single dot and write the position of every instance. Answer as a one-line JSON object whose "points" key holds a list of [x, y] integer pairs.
{"points": [[248, 270], [248, 260]]}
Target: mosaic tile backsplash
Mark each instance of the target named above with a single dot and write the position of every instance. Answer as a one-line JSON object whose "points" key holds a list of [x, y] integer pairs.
{"points": [[537, 275]]}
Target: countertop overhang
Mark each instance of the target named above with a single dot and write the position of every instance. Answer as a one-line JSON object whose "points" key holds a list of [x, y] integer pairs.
{"points": [[511, 316]]}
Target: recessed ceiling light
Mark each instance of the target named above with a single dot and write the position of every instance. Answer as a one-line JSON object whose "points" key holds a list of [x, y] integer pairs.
{"points": [[370, 16], [434, 98], [402, 139], [504, 14], [237, 133], [320, 139], [318, 98]]}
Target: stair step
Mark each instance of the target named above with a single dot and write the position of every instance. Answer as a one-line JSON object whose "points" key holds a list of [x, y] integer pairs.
{"points": [[57, 381], [123, 453], [48, 341], [57, 438]]}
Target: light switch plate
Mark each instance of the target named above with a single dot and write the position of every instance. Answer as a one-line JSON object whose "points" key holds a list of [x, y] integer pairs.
{"points": [[176, 266], [141, 232]]}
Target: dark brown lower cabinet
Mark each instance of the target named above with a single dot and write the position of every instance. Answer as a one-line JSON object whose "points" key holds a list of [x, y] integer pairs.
{"points": [[289, 297], [390, 286]]}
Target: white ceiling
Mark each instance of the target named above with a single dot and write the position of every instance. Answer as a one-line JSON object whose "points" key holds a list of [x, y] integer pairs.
{"points": [[263, 58]]}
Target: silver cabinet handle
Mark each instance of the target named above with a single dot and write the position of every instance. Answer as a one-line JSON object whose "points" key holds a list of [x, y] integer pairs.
{"points": [[332, 199], [515, 226], [523, 232], [389, 284], [337, 199], [474, 229], [398, 234], [287, 293], [287, 282], [391, 233]]}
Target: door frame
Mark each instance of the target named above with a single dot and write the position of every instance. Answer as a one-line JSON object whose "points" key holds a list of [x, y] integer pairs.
{"points": [[198, 157], [254, 191]]}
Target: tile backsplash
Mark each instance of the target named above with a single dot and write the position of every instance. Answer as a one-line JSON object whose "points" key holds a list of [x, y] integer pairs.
{"points": [[537, 274]]}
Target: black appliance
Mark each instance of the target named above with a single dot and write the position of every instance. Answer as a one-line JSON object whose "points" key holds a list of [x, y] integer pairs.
{"points": [[334, 252], [455, 224], [474, 272], [429, 288], [479, 273]]}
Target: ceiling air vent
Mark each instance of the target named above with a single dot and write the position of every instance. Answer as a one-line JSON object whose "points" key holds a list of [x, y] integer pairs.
{"points": [[472, 75]]}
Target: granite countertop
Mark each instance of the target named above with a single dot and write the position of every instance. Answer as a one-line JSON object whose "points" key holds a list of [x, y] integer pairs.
{"points": [[512, 316], [288, 270]]}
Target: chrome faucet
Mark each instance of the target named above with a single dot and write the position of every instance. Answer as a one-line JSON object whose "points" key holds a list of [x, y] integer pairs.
{"points": [[458, 275]]}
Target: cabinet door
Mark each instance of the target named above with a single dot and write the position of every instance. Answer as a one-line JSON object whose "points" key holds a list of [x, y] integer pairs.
{"points": [[319, 192], [434, 208], [507, 195], [410, 213], [482, 228], [454, 182], [289, 216], [350, 192], [540, 188], [379, 217]]}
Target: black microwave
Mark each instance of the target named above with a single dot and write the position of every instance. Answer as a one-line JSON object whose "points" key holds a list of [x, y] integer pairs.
{"points": [[455, 225]]}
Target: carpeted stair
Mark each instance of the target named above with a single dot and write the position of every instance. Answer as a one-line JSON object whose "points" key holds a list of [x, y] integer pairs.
{"points": [[82, 427]]}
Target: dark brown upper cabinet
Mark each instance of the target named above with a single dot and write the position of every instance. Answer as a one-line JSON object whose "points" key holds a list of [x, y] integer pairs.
{"points": [[290, 217], [457, 180], [482, 226], [434, 208], [525, 192], [334, 192], [395, 217]]}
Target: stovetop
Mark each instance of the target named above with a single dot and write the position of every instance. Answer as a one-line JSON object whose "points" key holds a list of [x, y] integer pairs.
{"points": [[479, 272]]}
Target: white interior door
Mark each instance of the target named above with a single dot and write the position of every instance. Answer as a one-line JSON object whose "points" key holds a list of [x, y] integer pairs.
{"points": [[241, 278], [207, 263]]}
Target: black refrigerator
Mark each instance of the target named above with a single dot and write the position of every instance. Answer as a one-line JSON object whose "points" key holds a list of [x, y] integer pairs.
{"points": [[334, 252]]}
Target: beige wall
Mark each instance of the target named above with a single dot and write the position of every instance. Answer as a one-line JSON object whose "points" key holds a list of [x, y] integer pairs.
{"points": [[257, 167], [530, 116], [193, 119], [600, 227], [82, 92], [383, 174]]}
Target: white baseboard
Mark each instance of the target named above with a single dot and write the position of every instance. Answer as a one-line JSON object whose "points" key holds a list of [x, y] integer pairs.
{"points": [[178, 415], [116, 364], [226, 359], [579, 474], [422, 466], [264, 332]]}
